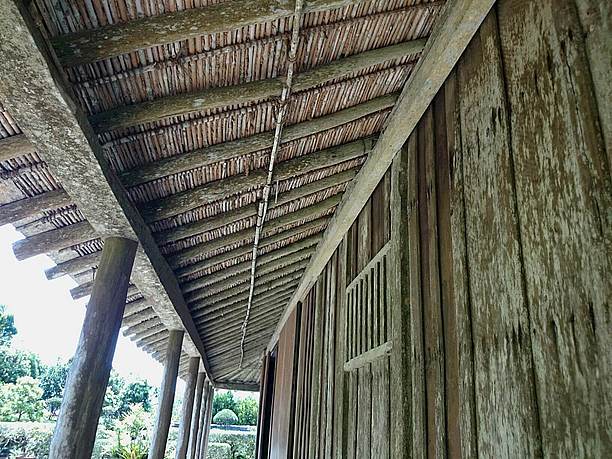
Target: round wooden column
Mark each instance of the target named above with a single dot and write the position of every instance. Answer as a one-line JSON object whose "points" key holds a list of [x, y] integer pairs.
{"points": [[187, 409], [195, 419], [77, 423], [166, 396]]}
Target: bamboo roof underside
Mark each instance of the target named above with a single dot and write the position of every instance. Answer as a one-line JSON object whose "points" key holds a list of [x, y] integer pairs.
{"points": [[188, 128]]}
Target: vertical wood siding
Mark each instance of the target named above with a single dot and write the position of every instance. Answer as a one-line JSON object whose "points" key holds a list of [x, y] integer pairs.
{"points": [[466, 312]]}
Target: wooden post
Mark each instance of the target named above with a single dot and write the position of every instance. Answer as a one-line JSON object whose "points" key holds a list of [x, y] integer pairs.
{"points": [[187, 411], [202, 420], [207, 422], [195, 419], [166, 397], [76, 427]]}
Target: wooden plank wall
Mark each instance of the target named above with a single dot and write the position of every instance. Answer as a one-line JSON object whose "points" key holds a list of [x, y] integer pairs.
{"points": [[494, 340]]}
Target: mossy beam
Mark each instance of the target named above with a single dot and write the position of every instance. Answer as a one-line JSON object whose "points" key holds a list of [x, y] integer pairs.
{"points": [[453, 31], [223, 219], [253, 91], [236, 184], [310, 212], [244, 250], [52, 240], [262, 278], [302, 249], [113, 40], [242, 274], [40, 100], [240, 147], [28, 207]]}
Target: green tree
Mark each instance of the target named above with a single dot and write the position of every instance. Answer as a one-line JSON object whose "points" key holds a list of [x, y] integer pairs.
{"points": [[53, 380], [7, 327], [138, 392], [246, 410], [15, 363], [21, 401], [223, 401], [225, 417]]}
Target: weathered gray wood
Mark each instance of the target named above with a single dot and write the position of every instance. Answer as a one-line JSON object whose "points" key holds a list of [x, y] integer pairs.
{"points": [[134, 307], [38, 98], [28, 207], [77, 422], [166, 395], [244, 250], [112, 40], [507, 422], [369, 356], [53, 240], [15, 146], [245, 236], [241, 272], [207, 419], [187, 408], [154, 330], [221, 189], [81, 291], [74, 265], [202, 420], [253, 91], [240, 147], [454, 29], [142, 326], [299, 249], [134, 319], [563, 194]]}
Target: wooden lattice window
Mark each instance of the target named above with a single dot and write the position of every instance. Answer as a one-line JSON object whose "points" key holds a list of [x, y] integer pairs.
{"points": [[367, 313]]}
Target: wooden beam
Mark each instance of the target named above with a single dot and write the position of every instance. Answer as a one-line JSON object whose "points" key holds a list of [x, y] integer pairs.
{"points": [[234, 333], [236, 319], [253, 91], [221, 189], [134, 307], [134, 319], [262, 278], [453, 31], [238, 311], [244, 250], [223, 219], [81, 291], [15, 146], [142, 326], [38, 97], [74, 265], [28, 207], [56, 239], [246, 235], [240, 147], [237, 386], [112, 40]]}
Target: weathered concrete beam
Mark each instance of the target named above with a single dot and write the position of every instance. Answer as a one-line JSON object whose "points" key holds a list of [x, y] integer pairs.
{"points": [[244, 250], [299, 249], [166, 395], [77, 422], [221, 189], [28, 207], [221, 220], [38, 97], [15, 146], [56, 239], [457, 24], [245, 235], [240, 147], [222, 96], [113, 40]]}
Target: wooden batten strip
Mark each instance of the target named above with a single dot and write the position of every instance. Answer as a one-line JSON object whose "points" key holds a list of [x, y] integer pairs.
{"points": [[15, 146], [370, 356], [244, 250], [261, 322], [238, 311], [454, 29], [28, 207], [240, 147], [229, 385], [134, 319], [253, 91], [74, 265], [134, 307], [146, 328], [52, 240], [316, 210], [221, 189], [300, 249], [221, 220]]}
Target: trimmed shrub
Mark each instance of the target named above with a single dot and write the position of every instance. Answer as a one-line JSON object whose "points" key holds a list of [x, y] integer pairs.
{"points": [[226, 418], [242, 443], [219, 451]]}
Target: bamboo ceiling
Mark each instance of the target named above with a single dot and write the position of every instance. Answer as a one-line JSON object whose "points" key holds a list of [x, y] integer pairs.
{"points": [[188, 127]]}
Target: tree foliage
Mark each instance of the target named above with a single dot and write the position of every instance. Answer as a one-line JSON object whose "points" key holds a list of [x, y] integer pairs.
{"points": [[7, 327], [222, 401], [225, 417], [246, 410], [21, 401], [53, 379]]}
